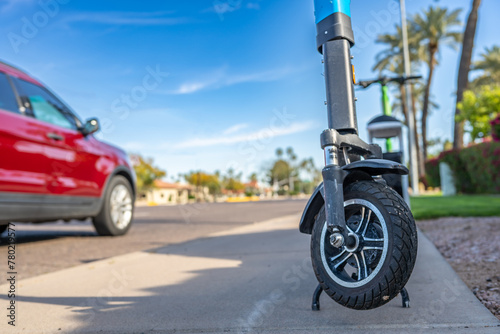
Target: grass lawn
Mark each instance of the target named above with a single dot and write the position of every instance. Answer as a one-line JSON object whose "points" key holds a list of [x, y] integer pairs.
{"points": [[427, 207]]}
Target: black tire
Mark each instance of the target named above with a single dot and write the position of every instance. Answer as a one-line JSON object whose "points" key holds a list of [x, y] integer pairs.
{"points": [[108, 222], [3, 228], [375, 278]]}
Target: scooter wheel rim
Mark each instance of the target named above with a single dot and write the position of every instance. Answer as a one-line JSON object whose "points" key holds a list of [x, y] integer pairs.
{"points": [[339, 277]]}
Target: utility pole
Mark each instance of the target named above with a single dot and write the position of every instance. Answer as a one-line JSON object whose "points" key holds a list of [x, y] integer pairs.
{"points": [[411, 123]]}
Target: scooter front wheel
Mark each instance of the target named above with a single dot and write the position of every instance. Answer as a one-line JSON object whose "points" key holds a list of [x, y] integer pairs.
{"points": [[375, 268]]}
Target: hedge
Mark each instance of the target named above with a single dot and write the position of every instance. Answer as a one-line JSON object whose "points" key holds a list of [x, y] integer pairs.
{"points": [[476, 168], [495, 128], [432, 178]]}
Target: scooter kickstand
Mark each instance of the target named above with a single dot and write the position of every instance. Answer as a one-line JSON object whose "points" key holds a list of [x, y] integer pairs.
{"points": [[405, 297], [316, 295]]}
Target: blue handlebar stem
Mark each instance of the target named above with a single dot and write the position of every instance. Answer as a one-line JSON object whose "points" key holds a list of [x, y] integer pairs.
{"points": [[325, 8]]}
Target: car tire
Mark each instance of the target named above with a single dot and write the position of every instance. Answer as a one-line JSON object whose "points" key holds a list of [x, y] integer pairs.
{"points": [[3, 228], [115, 217]]}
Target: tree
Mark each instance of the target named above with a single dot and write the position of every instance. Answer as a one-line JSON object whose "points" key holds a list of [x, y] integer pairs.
{"points": [[391, 60], [254, 177], [478, 111], [279, 172], [292, 158], [202, 179], [490, 65], [232, 181], [291, 154], [463, 72], [307, 166], [146, 172], [417, 101], [314, 174], [287, 171], [279, 153], [434, 29], [282, 171]]}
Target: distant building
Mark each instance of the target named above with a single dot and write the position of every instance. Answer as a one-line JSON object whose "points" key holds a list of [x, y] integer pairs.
{"points": [[253, 188], [166, 193]]}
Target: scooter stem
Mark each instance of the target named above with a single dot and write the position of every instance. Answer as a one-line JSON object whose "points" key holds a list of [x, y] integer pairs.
{"points": [[335, 39], [333, 21], [340, 86]]}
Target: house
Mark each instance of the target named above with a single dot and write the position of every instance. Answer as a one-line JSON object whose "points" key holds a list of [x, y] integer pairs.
{"points": [[256, 189], [166, 193]]}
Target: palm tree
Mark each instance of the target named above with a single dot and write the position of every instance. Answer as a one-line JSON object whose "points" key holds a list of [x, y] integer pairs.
{"points": [[417, 100], [463, 72], [391, 60], [253, 177], [490, 65], [292, 158], [434, 29], [308, 166], [279, 153], [291, 154]]}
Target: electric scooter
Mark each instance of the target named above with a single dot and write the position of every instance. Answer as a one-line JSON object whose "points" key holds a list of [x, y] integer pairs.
{"points": [[396, 182], [386, 105], [363, 235]]}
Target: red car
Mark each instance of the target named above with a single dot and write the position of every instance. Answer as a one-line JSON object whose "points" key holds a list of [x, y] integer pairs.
{"points": [[52, 167]]}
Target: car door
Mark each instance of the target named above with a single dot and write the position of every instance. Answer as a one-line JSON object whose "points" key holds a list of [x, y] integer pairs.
{"points": [[24, 170], [74, 157]]}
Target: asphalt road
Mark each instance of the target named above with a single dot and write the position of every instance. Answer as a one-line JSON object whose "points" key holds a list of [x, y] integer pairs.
{"points": [[44, 248]]}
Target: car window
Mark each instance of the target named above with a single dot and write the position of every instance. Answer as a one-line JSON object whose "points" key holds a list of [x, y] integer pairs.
{"points": [[48, 112], [45, 106], [7, 98]]}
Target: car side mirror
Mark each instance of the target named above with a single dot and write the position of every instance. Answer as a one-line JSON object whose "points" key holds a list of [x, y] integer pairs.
{"points": [[90, 127]]}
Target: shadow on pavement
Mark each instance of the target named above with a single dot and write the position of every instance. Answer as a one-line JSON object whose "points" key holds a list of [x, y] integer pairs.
{"points": [[242, 282], [23, 237]]}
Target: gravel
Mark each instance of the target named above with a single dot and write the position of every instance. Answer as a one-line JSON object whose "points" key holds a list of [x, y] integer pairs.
{"points": [[472, 247]]}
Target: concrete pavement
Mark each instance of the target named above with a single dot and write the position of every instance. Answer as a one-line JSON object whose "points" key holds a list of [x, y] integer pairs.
{"points": [[256, 278], [41, 245]]}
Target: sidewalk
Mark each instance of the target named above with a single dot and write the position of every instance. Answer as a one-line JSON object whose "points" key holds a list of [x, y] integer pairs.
{"points": [[255, 278]]}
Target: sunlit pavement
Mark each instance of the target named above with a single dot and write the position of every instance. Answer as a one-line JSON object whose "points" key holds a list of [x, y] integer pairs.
{"points": [[255, 278], [45, 248]]}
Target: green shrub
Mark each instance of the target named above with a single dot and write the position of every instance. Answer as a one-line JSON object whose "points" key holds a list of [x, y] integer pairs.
{"points": [[462, 178], [495, 128], [432, 173], [476, 169]]}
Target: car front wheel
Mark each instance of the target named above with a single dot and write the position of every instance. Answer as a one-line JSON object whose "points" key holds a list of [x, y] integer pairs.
{"points": [[3, 228], [115, 217]]}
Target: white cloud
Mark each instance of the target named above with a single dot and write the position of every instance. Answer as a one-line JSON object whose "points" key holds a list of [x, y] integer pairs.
{"points": [[8, 5], [189, 88], [229, 139], [235, 128], [253, 5], [228, 6], [220, 78], [127, 18]]}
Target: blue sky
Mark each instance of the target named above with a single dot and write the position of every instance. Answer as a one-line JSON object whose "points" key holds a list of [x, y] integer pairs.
{"points": [[209, 84]]}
